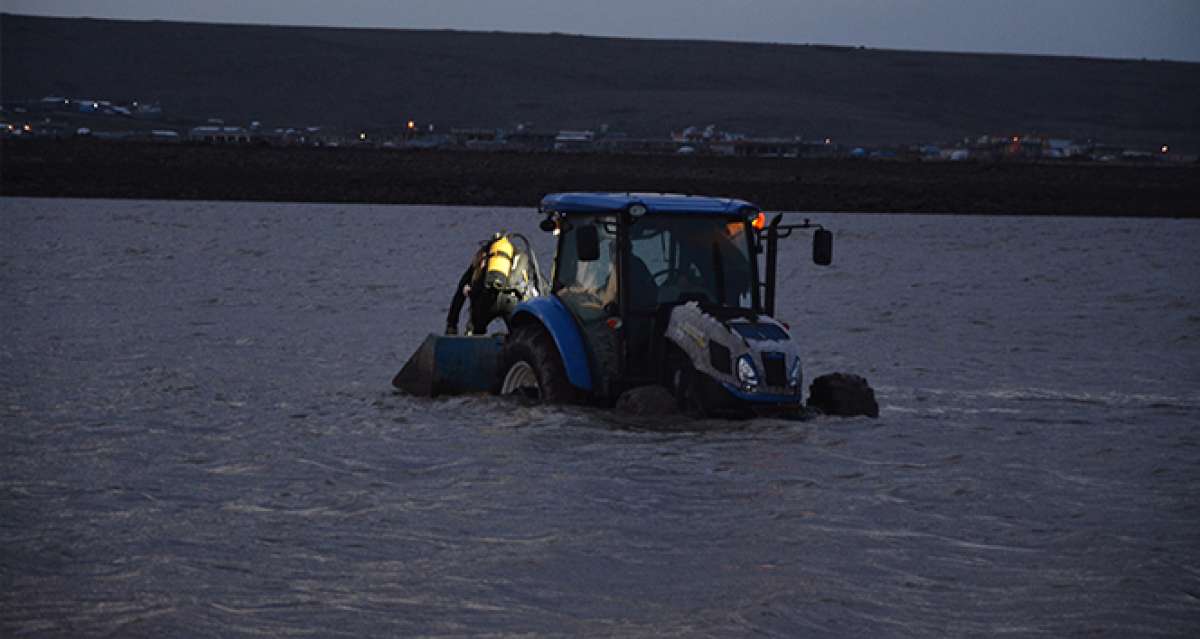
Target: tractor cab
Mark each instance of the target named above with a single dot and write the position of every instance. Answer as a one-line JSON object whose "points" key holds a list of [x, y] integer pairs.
{"points": [[621, 272]]}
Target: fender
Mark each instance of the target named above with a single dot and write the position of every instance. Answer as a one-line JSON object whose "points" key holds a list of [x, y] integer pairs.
{"points": [[550, 312]]}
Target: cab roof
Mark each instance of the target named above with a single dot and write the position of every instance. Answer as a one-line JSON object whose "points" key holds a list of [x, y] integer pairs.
{"points": [[654, 203]]}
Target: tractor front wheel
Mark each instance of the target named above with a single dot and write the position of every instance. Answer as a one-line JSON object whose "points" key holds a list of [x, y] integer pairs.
{"points": [[697, 394], [687, 385]]}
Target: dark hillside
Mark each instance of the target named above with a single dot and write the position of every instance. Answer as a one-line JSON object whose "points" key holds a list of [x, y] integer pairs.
{"points": [[377, 78]]}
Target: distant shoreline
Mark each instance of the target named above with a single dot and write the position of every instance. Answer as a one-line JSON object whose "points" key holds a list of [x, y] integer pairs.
{"points": [[345, 82], [97, 169]]}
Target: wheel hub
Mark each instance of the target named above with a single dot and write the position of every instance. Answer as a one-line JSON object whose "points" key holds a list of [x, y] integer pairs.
{"points": [[521, 380]]}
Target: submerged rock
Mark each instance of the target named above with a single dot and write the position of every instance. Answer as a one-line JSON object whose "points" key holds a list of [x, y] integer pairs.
{"points": [[647, 401], [843, 394]]}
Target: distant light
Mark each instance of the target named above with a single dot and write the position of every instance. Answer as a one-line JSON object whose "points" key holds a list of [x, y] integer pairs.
{"points": [[412, 125], [1016, 138], [27, 127], [1165, 148], [828, 140], [95, 105], [362, 136]]}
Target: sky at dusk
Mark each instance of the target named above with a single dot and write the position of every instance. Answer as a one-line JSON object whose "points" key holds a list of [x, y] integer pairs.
{"points": [[1105, 28]]}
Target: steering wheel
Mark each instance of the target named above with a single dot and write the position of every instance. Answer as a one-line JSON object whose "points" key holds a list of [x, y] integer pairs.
{"points": [[669, 273]]}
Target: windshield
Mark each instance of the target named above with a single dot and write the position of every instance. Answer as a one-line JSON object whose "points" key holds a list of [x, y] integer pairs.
{"points": [[678, 258]]}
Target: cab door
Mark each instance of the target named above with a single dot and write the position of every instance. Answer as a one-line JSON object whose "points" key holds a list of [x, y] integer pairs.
{"points": [[585, 279]]}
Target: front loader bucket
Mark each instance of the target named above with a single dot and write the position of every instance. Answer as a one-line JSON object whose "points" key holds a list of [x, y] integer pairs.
{"points": [[451, 366]]}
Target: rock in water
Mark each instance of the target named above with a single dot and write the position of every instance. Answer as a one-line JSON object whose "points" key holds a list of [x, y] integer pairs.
{"points": [[647, 401], [843, 394]]}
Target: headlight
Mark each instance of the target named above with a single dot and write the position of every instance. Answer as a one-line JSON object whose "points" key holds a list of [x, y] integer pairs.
{"points": [[795, 375], [746, 372]]}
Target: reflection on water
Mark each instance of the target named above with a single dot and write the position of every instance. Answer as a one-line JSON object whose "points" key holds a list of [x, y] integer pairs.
{"points": [[200, 439]]}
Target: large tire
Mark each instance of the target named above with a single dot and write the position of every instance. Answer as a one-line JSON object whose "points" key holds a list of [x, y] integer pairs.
{"points": [[696, 394], [531, 366], [681, 381], [843, 394]]}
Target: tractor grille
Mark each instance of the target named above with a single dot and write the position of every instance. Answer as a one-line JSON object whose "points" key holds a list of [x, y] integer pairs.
{"points": [[773, 364]]}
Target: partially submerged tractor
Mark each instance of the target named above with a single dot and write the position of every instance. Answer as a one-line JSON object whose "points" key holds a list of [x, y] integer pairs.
{"points": [[646, 289]]}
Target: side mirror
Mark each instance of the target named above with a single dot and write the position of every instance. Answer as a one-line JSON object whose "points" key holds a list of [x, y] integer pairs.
{"points": [[587, 243], [548, 225], [823, 247]]}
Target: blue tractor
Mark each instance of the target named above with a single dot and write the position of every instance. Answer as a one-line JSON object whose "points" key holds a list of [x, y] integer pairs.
{"points": [[646, 289]]}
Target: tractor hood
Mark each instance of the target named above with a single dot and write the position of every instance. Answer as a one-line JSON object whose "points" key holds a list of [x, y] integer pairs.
{"points": [[755, 359]]}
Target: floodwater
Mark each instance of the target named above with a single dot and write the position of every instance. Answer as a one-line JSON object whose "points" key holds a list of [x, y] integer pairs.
{"points": [[200, 439]]}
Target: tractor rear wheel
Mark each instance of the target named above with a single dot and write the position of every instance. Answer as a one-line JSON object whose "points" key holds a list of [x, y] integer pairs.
{"points": [[531, 367]]}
